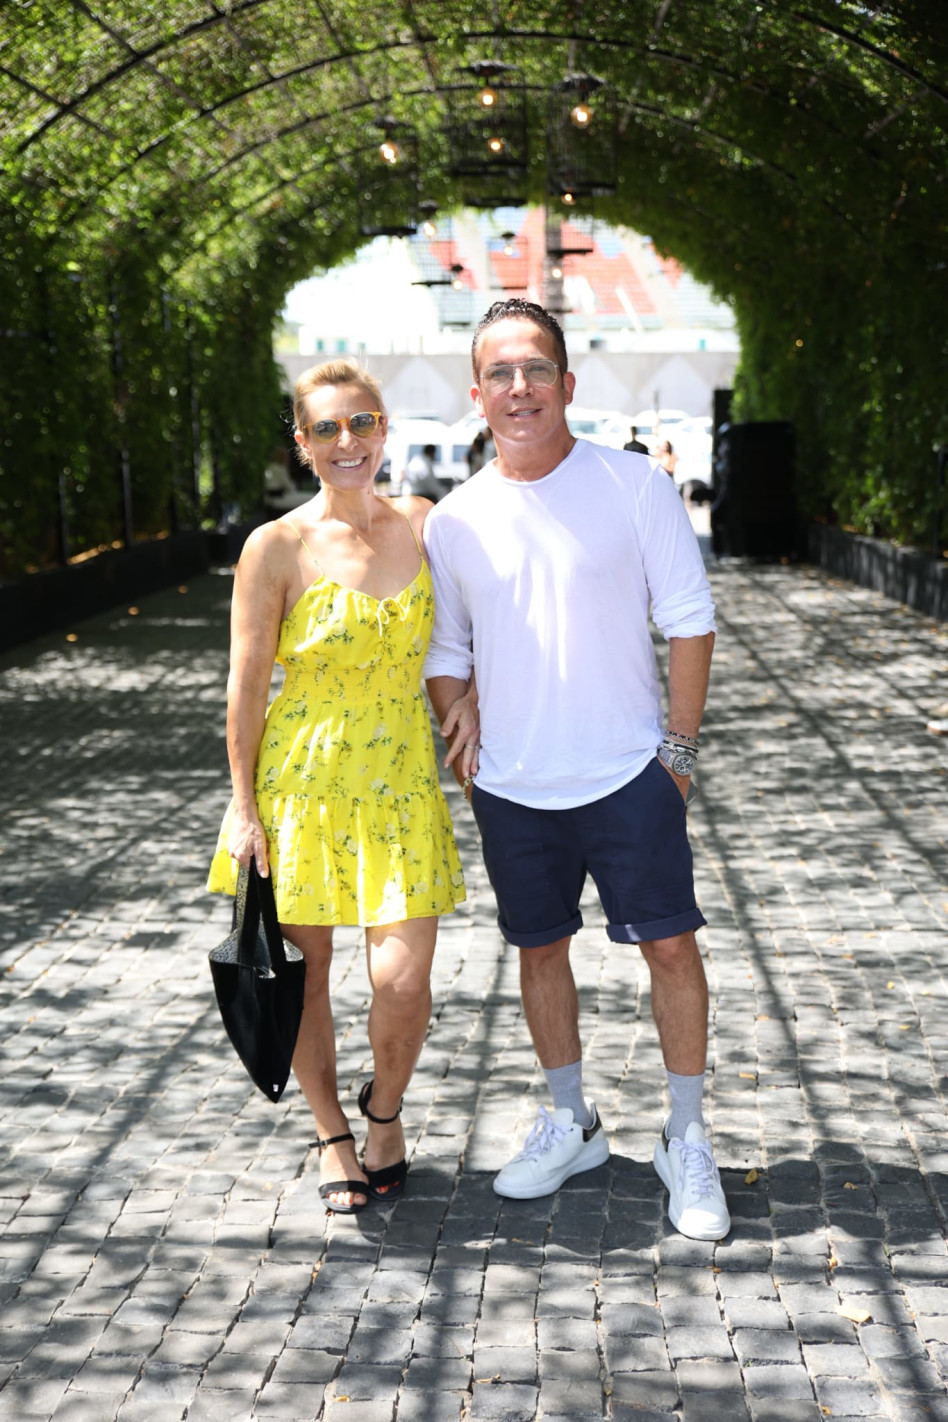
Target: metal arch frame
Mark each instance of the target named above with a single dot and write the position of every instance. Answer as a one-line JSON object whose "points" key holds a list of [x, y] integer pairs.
{"points": [[426, 43], [422, 41], [652, 111]]}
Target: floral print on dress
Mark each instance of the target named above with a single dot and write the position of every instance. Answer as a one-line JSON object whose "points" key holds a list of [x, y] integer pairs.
{"points": [[357, 827]]}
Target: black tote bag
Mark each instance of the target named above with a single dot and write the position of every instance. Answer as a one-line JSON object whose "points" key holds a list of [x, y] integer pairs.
{"points": [[258, 980]]}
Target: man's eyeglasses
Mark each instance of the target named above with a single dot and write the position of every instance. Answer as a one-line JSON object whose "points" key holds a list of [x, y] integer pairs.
{"points": [[538, 371], [325, 431]]}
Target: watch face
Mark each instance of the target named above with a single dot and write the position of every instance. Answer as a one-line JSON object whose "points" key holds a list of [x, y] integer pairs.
{"points": [[683, 764]]}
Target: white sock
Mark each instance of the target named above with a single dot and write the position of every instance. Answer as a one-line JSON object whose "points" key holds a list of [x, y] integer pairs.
{"points": [[566, 1086], [686, 1093]]}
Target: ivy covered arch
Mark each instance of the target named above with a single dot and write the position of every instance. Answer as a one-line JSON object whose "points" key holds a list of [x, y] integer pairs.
{"points": [[169, 170]]}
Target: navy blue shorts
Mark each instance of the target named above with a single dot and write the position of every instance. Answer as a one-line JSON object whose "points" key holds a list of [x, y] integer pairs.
{"points": [[633, 842]]}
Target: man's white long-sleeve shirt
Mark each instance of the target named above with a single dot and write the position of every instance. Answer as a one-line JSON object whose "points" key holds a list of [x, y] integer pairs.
{"points": [[546, 588]]}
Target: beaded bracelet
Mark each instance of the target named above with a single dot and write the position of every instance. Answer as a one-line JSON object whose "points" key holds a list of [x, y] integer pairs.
{"points": [[679, 736]]}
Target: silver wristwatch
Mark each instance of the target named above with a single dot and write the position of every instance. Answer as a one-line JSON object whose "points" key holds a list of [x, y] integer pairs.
{"points": [[680, 760]]}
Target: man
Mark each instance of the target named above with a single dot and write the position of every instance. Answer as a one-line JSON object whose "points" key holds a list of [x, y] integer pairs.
{"points": [[635, 445], [546, 567], [420, 477]]}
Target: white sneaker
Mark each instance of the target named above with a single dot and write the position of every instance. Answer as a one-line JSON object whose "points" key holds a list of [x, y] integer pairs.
{"points": [[555, 1149], [696, 1204]]}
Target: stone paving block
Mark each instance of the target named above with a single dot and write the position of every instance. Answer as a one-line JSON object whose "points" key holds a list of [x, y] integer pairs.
{"points": [[367, 1381], [430, 1340], [629, 1412], [15, 1343], [35, 1397], [166, 1383], [510, 1401], [294, 1402], [52, 1360], [379, 1345], [681, 1311], [228, 1370], [835, 1360], [713, 1407], [933, 1329], [784, 1381], [709, 1376], [208, 1405], [578, 1363], [654, 1390], [675, 1279], [515, 1365], [698, 1342], [431, 1406], [83, 1407], [743, 1312], [106, 1373], [569, 1334], [763, 1409], [264, 1335], [571, 1398], [766, 1345], [305, 1365], [448, 1308], [849, 1397], [441, 1374], [635, 1354], [914, 1375]]}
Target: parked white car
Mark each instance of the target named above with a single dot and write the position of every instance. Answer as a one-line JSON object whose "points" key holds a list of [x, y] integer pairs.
{"points": [[407, 436], [608, 427]]}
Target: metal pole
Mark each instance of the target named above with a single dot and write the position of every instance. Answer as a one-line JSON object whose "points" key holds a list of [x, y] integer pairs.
{"points": [[123, 463], [62, 508], [939, 495], [194, 410]]}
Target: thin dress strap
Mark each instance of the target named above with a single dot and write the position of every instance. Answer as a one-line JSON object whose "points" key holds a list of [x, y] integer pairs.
{"points": [[414, 535], [319, 568], [307, 547]]}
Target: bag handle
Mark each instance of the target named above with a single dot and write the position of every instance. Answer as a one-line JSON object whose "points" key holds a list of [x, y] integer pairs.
{"points": [[256, 902]]}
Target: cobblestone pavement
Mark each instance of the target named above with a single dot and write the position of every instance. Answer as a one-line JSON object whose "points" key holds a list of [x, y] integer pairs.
{"points": [[164, 1253]]}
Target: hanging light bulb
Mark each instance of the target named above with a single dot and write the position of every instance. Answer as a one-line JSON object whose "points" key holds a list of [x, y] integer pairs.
{"points": [[457, 283], [429, 229], [581, 115], [487, 97], [556, 273], [568, 199], [495, 143], [389, 151]]}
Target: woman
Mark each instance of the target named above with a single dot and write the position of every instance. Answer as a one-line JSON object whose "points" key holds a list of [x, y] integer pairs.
{"points": [[335, 788], [667, 458]]}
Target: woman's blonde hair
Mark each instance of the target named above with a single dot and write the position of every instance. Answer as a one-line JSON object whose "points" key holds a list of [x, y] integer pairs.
{"points": [[343, 371]]}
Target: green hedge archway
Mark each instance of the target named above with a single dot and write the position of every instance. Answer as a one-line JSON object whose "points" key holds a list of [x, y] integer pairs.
{"points": [[170, 170]]}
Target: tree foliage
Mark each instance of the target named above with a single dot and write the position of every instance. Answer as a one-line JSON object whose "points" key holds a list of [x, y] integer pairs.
{"points": [[170, 170]]}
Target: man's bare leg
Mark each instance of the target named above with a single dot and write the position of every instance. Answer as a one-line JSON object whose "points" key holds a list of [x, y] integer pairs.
{"points": [[679, 1002], [551, 1003]]}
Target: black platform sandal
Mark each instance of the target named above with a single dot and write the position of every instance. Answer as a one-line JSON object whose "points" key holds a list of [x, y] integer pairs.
{"points": [[388, 1182], [341, 1187]]}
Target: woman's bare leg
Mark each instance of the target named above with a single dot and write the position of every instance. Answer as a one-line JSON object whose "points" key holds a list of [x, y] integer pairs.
{"points": [[399, 962], [314, 1061]]}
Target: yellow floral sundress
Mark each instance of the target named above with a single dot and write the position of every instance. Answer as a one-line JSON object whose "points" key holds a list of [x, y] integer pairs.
{"points": [[357, 828]]}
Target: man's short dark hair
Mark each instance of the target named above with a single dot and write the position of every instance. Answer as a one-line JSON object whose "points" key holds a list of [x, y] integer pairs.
{"points": [[519, 309]]}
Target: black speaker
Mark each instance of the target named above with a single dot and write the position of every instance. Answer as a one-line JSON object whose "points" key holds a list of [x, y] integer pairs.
{"points": [[754, 512]]}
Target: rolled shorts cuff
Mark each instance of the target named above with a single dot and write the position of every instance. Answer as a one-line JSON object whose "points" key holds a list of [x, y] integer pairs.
{"points": [[658, 928], [545, 936]]}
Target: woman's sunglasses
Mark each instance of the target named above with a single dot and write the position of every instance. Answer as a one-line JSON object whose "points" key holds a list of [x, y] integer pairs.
{"points": [[325, 431]]}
